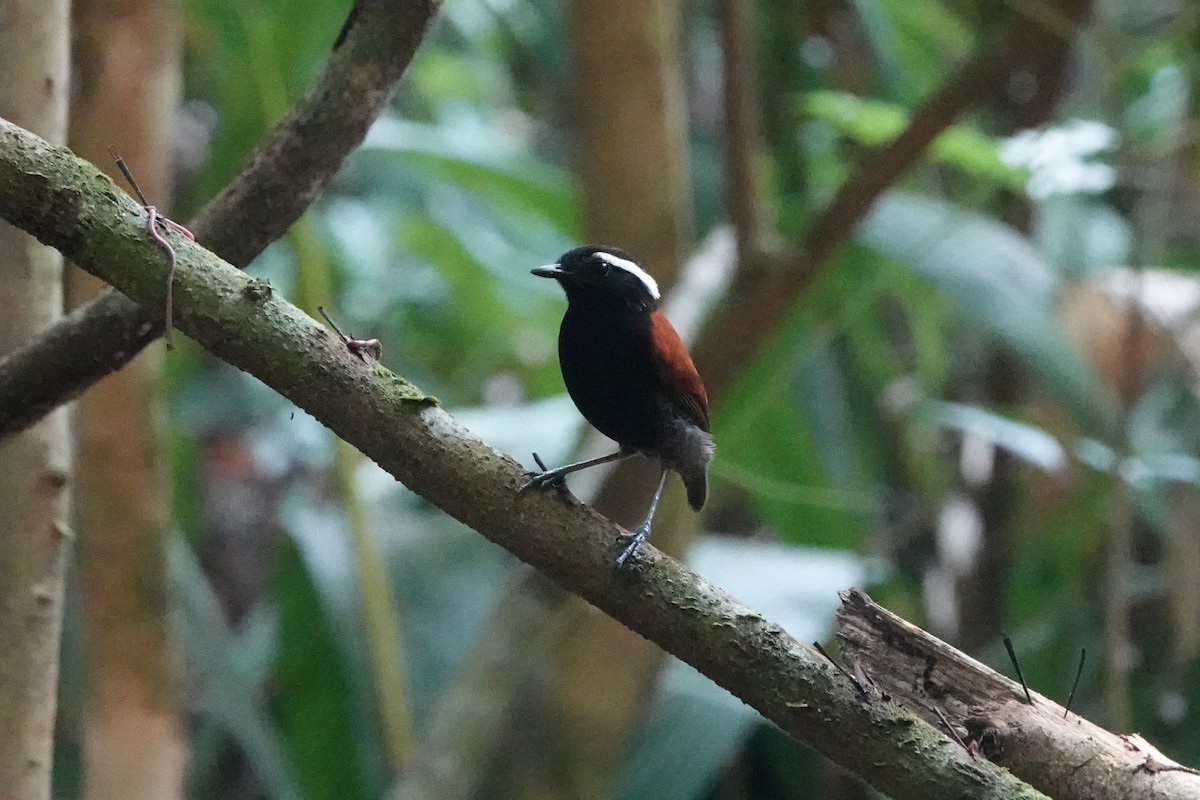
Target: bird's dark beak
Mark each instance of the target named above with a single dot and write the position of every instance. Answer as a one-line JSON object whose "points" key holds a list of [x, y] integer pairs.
{"points": [[548, 271]]}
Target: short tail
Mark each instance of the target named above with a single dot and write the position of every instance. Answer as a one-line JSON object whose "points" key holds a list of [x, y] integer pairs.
{"points": [[697, 488], [691, 456]]}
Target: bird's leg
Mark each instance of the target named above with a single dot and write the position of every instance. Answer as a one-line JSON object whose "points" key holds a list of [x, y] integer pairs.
{"points": [[554, 477], [643, 531], [560, 485]]}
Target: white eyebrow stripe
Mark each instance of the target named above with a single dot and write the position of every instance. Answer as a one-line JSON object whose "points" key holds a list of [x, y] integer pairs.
{"points": [[633, 269]]}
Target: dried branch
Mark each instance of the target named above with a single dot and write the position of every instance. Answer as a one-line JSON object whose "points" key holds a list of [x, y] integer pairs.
{"points": [[69, 205], [278, 182], [1063, 755]]}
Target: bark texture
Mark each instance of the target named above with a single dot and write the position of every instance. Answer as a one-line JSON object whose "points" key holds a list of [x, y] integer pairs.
{"points": [[1061, 754], [71, 206], [126, 91], [34, 466]]}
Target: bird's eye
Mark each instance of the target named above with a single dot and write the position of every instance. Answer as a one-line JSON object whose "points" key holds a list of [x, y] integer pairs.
{"points": [[605, 267]]}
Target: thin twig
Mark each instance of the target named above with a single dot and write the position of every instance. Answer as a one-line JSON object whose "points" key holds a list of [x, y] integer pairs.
{"points": [[154, 221], [559, 485], [329, 321], [1012, 656], [820, 649], [112, 151], [359, 347], [954, 733], [861, 681], [1075, 685]]}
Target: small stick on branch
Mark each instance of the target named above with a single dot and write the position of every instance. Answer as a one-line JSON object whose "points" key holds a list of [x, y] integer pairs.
{"points": [[1075, 683], [941, 715], [155, 221], [363, 348], [1012, 656]]}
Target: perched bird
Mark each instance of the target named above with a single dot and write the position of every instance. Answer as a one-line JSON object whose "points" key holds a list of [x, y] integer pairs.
{"points": [[629, 374]]}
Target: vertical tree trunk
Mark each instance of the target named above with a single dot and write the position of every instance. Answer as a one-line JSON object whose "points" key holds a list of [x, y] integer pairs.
{"points": [[126, 60], [34, 464], [630, 129]]}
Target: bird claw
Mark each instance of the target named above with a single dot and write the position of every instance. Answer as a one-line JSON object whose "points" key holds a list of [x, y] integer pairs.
{"points": [[541, 480], [637, 539], [548, 479]]}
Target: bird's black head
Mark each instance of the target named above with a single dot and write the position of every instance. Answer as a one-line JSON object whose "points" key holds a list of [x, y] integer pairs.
{"points": [[603, 275]]}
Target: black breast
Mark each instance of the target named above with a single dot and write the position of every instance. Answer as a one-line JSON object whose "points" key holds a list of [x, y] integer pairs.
{"points": [[606, 359]]}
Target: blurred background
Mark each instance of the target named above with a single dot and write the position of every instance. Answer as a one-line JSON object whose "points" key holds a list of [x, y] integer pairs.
{"points": [[980, 404]]}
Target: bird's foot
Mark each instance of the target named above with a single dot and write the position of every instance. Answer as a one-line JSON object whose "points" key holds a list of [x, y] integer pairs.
{"points": [[636, 539], [549, 479]]}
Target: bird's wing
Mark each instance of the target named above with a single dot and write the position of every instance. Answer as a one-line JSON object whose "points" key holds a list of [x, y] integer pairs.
{"points": [[677, 370]]}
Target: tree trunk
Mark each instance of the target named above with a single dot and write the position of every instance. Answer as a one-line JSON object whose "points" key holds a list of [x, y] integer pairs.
{"points": [[34, 465], [127, 78]]}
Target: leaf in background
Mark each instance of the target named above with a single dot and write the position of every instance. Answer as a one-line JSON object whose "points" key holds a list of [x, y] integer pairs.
{"points": [[802, 432], [882, 35], [315, 698], [1081, 234], [820, 389], [875, 123], [550, 426], [466, 213], [929, 36], [228, 671], [247, 62], [470, 333], [692, 731], [1030, 442], [471, 155], [772, 445], [996, 279]]}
